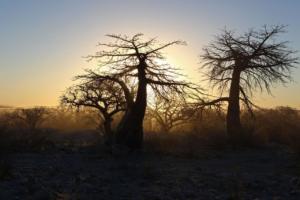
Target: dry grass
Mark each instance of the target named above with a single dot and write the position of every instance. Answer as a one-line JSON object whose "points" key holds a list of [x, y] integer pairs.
{"points": [[280, 126]]}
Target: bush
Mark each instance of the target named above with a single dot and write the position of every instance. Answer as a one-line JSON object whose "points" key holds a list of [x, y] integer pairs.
{"points": [[280, 125], [206, 131], [25, 140]]}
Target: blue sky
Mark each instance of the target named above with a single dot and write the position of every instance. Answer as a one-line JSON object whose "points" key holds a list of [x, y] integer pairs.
{"points": [[42, 42]]}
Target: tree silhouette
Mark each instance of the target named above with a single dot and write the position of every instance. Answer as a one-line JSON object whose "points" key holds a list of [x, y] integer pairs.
{"points": [[31, 117], [140, 60], [170, 113], [238, 65], [104, 95]]}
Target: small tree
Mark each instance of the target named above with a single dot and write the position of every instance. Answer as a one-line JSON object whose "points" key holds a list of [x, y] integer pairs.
{"points": [[31, 117], [170, 113], [138, 59], [104, 95], [238, 65]]}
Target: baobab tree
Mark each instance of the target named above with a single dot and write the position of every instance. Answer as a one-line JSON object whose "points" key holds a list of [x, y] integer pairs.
{"points": [[106, 96], [143, 61], [238, 64]]}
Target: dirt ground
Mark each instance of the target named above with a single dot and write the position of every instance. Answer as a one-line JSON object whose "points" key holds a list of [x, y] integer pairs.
{"points": [[245, 174]]}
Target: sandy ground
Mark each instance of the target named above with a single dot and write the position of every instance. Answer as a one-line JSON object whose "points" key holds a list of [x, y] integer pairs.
{"points": [[245, 174]]}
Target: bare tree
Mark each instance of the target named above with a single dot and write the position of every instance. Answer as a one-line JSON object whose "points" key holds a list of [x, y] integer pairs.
{"points": [[106, 96], [237, 65], [140, 60], [170, 113], [32, 117]]}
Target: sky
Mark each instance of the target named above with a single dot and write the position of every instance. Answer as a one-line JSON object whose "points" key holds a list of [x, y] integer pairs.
{"points": [[43, 42]]}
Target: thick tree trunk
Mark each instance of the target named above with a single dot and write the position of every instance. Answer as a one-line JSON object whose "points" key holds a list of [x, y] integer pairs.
{"points": [[130, 130], [108, 133], [234, 128]]}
